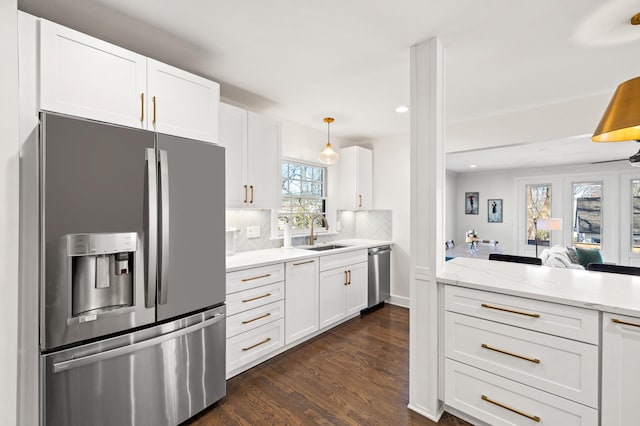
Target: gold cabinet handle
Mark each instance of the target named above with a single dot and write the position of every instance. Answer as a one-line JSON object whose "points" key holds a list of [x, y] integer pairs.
{"points": [[617, 321], [360, 196], [513, 410], [256, 298], [349, 275], [153, 100], [498, 308], [346, 276], [244, 280], [303, 263], [257, 318], [251, 202], [268, 339], [245, 194], [534, 360], [142, 106]]}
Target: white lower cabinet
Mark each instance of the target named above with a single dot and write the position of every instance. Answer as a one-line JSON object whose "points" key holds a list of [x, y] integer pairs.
{"points": [[499, 401], [302, 288], [343, 290], [251, 345], [503, 367], [620, 370]]}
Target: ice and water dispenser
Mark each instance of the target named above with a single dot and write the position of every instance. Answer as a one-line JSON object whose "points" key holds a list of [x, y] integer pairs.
{"points": [[101, 271]]}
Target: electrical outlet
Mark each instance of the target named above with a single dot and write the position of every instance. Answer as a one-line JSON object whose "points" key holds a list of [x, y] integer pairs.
{"points": [[253, 231]]}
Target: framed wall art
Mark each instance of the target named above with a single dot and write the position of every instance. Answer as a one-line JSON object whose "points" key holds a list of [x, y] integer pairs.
{"points": [[471, 200], [494, 210]]}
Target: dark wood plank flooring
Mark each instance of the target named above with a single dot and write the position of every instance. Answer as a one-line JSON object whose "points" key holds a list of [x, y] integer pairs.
{"points": [[354, 374]]}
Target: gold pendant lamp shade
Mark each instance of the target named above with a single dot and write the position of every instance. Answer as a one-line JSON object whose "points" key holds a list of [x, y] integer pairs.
{"points": [[621, 120], [328, 156]]}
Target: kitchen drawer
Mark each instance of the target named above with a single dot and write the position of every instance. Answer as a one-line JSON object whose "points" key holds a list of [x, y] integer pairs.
{"points": [[471, 391], [340, 260], [249, 346], [561, 366], [254, 277], [253, 318], [561, 320], [249, 299]]}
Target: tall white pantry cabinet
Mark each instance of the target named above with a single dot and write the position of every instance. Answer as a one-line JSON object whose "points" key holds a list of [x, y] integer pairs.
{"points": [[86, 77]]}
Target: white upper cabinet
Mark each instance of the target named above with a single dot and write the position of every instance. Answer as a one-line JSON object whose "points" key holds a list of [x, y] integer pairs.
{"points": [[86, 77], [355, 170], [252, 145], [182, 103]]}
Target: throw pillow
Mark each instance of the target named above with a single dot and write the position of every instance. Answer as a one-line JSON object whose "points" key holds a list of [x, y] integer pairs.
{"points": [[587, 256], [571, 252]]}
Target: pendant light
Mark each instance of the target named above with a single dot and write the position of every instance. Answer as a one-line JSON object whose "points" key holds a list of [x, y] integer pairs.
{"points": [[328, 156]]}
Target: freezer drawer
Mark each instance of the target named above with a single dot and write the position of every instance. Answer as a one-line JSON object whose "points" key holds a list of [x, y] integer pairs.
{"points": [[158, 376]]}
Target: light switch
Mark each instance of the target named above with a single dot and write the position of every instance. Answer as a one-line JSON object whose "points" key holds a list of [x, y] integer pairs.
{"points": [[253, 231]]}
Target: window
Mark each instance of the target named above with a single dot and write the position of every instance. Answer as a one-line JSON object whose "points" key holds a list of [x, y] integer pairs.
{"points": [[303, 195], [635, 216], [587, 214], [538, 207]]}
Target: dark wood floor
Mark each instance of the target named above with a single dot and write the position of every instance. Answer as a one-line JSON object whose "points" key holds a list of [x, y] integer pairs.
{"points": [[355, 374]]}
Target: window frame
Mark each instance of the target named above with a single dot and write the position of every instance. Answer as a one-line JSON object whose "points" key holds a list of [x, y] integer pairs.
{"points": [[280, 215]]}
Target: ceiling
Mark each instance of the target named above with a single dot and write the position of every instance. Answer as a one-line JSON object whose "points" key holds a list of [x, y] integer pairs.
{"points": [[576, 150], [303, 60]]}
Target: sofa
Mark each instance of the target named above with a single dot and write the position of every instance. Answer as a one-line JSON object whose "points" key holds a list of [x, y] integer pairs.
{"points": [[570, 257]]}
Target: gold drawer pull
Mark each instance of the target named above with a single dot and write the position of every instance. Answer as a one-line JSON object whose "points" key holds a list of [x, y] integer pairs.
{"points": [[258, 318], [142, 106], [617, 321], [534, 360], [268, 339], [513, 410], [303, 263], [244, 280], [497, 308], [256, 298]]}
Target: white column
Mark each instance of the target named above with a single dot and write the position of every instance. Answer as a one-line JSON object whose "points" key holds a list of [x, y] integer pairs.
{"points": [[427, 223], [9, 191]]}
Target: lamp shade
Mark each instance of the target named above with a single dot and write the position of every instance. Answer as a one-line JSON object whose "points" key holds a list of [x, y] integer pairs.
{"points": [[621, 120], [328, 155], [551, 224]]}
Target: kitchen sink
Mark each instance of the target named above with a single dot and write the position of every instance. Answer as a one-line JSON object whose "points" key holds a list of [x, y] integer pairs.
{"points": [[325, 247]]}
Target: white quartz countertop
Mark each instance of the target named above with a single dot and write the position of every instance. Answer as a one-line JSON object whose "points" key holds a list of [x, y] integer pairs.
{"points": [[602, 291], [255, 258]]}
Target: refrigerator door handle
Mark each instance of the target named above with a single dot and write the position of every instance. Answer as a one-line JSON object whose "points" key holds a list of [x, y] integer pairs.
{"points": [[151, 248], [163, 282], [124, 350]]}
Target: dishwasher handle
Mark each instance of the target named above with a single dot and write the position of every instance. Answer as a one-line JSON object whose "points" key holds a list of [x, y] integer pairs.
{"points": [[380, 250]]}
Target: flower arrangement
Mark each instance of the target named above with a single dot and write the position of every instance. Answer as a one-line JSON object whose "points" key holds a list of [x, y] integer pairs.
{"points": [[471, 236]]}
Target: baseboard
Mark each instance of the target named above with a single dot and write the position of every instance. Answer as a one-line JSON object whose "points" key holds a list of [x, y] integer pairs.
{"points": [[435, 417], [399, 301]]}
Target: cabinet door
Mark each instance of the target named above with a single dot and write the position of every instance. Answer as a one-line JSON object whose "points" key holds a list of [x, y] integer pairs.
{"points": [[181, 103], [263, 165], [620, 372], [364, 179], [332, 289], [233, 136], [301, 297], [86, 77], [356, 291]]}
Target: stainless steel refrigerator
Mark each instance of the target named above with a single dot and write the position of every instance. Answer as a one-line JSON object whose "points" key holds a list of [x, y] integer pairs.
{"points": [[132, 274]]}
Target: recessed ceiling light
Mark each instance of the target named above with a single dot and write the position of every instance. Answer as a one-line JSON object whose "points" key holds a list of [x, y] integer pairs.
{"points": [[402, 108], [473, 166]]}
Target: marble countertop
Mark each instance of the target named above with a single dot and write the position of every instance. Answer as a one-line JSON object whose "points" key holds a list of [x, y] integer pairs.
{"points": [[602, 291], [255, 258]]}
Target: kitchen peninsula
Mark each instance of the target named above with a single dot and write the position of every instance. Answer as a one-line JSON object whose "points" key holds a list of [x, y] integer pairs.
{"points": [[539, 343]]}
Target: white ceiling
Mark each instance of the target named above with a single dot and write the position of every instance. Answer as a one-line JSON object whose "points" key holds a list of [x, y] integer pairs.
{"points": [[303, 60], [576, 150]]}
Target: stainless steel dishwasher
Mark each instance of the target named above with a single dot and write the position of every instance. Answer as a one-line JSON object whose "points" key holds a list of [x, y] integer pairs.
{"points": [[379, 275]]}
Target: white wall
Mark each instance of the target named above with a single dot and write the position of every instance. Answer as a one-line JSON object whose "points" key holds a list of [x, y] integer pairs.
{"points": [[9, 224], [391, 191], [509, 185], [451, 217]]}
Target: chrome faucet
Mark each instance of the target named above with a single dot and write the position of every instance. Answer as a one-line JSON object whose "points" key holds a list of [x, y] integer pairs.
{"points": [[313, 238]]}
